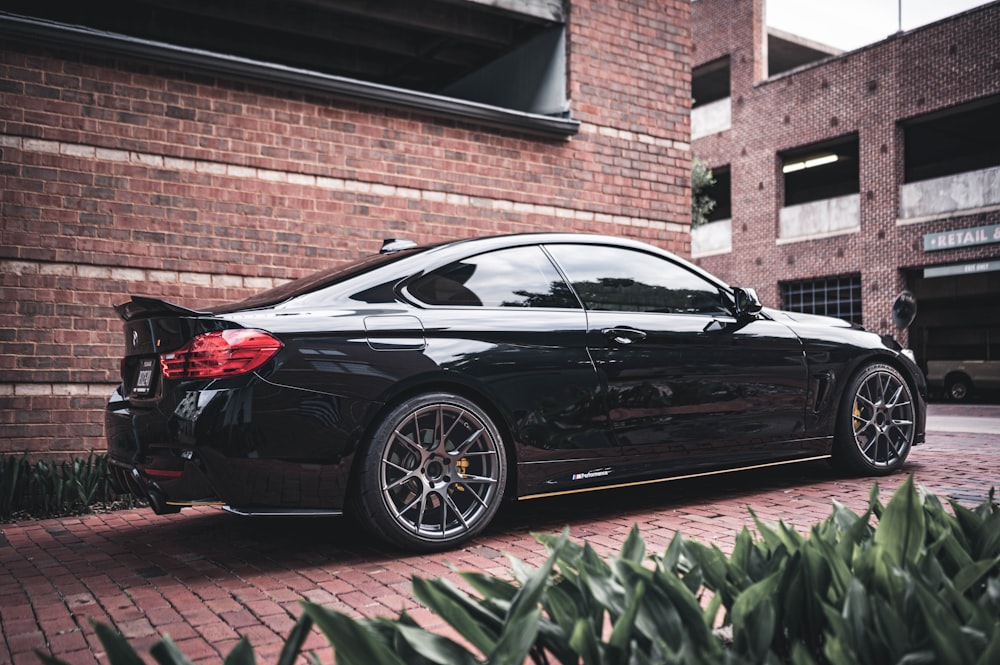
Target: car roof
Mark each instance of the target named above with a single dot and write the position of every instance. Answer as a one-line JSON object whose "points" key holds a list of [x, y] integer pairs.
{"points": [[427, 257]]}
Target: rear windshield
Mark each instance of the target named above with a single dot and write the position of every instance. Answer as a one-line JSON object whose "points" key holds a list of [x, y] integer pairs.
{"points": [[319, 280]]}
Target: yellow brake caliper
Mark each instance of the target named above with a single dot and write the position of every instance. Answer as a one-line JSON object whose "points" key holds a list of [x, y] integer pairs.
{"points": [[462, 468]]}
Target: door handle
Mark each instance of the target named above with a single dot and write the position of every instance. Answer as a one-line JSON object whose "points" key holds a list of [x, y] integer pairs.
{"points": [[624, 336]]}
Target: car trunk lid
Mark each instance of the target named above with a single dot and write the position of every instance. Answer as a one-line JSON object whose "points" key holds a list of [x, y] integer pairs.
{"points": [[153, 327]]}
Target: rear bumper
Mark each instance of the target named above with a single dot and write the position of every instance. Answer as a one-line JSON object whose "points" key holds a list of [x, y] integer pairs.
{"points": [[207, 456], [160, 474], [146, 461]]}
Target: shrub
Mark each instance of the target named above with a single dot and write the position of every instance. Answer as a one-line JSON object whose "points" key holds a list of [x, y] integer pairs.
{"points": [[45, 489], [923, 586], [702, 204]]}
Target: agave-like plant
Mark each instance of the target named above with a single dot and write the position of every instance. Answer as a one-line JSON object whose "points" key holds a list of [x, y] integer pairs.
{"points": [[919, 585]]}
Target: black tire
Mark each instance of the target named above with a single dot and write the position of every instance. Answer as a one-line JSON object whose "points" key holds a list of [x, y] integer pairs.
{"points": [[958, 388], [876, 423], [433, 473]]}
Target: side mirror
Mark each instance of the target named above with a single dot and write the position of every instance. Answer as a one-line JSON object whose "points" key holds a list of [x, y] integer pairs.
{"points": [[904, 310], [747, 302]]}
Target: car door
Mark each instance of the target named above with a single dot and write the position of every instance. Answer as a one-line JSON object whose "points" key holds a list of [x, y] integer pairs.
{"points": [[507, 323], [687, 383]]}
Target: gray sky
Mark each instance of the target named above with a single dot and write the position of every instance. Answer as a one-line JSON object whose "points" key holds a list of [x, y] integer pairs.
{"points": [[850, 24]]}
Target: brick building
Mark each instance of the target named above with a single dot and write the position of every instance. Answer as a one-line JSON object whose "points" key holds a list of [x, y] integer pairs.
{"points": [[845, 178], [137, 159]]}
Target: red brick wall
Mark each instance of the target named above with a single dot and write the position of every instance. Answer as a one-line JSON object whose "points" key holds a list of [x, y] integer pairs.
{"points": [[865, 92], [122, 178]]}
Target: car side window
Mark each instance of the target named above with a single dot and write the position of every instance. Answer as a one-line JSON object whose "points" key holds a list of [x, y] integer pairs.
{"points": [[516, 277], [625, 280]]}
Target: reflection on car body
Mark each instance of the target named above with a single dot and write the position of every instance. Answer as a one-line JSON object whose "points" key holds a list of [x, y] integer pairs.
{"points": [[416, 389]]}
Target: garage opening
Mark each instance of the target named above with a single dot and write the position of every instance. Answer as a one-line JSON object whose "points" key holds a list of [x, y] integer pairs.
{"points": [[820, 190], [821, 171], [710, 82], [956, 140], [957, 332], [952, 161], [711, 110], [510, 55]]}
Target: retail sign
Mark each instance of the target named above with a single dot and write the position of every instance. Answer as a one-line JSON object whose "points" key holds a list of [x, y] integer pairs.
{"points": [[961, 269], [979, 235]]}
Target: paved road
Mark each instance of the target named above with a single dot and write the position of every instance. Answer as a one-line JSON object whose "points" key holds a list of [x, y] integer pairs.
{"points": [[206, 577], [971, 418]]}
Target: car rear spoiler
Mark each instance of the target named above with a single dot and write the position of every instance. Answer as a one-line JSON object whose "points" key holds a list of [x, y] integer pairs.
{"points": [[139, 307]]}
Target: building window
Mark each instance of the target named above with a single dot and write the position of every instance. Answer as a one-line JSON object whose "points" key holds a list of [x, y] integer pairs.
{"points": [[710, 82], [721, 193], [952, 141], [828, 296], [821, 171]]}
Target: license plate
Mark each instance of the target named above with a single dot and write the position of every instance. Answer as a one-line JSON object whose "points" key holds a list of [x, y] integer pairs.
{"points": [[144, 380]]}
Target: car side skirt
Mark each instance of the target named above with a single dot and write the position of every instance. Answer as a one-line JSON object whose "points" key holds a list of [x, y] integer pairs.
{"points": [[651, 481]]}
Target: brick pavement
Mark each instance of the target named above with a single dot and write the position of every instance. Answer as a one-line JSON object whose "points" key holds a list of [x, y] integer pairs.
{"points": [[206, 577]]}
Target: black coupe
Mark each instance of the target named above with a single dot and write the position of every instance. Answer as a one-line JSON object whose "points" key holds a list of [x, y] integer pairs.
{"points": [[417, 388]]}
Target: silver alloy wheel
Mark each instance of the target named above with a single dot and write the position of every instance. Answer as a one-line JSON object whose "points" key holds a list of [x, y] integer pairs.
{"points": [[882, 418], [441, 471]]}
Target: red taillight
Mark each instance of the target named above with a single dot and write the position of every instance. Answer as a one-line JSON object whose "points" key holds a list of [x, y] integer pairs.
{"points": [[219, 354]]}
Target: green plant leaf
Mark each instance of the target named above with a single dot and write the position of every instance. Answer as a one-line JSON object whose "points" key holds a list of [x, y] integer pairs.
{"points": [[353, 643], [756, 594], [119, 651], [874, 505], [165, 652], [472, 621], [991, 655], [823, 552], [634, 548], [946, 537], [713, 564], [854, 532], [942, 628], [973, 573], [800, 655], [969, 524], [522, 621], [435, 648], [490, 586], [902, 528], [293, 644], [607, 592], [659, 618], [241, 654], [988, 542], [517, 639], [755, 632], [529, 595], [584, 641], [688, 609], [740, 557], [562, 607], [772, 539], [621, 633]]}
